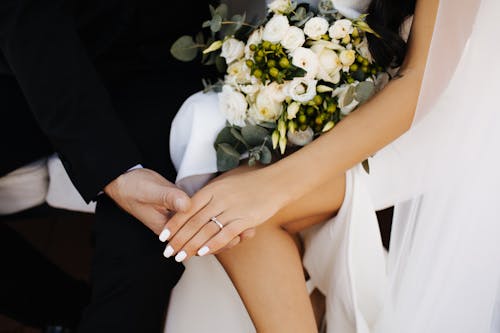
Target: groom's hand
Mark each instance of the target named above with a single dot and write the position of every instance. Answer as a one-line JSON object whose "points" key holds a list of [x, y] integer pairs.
{"points": [[148, 196]]}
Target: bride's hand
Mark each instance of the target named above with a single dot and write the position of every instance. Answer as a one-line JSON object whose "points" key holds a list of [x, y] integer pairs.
{"points": [[238, 202]]}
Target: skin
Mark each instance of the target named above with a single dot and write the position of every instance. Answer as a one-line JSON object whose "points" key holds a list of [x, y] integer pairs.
{"points": [[267, 269]]}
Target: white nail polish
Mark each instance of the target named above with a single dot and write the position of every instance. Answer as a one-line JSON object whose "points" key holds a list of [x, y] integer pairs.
{"points": [[164, 235], [204, 250], [180, 256], [168, 251]]}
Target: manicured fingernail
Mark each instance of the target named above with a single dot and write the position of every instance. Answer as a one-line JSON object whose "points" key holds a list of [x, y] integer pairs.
{"points": [[168, 251], [164, 235], [204, 250], [180, 256]]}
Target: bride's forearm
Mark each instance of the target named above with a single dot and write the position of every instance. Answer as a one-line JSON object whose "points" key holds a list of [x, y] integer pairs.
{"points": [[357, 137], [372, 126]]}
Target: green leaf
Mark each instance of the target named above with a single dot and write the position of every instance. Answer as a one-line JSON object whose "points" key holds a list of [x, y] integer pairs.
{"points": [[265, 155], [200, 39], [225, 136], [300, 14], [220, 64], [184, 49], [216, 23], [364, 91], [227, 157], [206, 24], [254, 135], [238, 136], [269, 125], [349, 96], [222, 10]]}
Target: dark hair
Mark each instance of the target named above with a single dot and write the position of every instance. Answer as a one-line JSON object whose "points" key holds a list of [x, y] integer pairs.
{"points": [[386, 18]]}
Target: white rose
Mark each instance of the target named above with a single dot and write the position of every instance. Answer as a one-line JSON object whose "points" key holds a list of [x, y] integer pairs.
{"points": [[254, 39], [347, 58], [268, 105], [280, 6], [276, 29], [316, 27], [294, 38], [232, 49], [238, 73], [341, 29], [292, 110], [250, 89], [302, 90], [233, 105], [301, 138], [307, 60]]}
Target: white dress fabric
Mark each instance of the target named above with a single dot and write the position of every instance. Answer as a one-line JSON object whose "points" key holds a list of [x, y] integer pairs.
{"points": [[442, 273]]}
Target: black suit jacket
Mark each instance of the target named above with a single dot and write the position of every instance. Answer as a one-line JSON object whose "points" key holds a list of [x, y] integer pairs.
{"points": [[65, 56]]}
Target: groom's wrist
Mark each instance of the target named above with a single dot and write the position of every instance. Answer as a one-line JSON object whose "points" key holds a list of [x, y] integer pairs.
{"points": [[135, 167]]}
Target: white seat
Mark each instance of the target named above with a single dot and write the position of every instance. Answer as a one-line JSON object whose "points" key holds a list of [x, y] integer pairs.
{"points": [[24, 188]]}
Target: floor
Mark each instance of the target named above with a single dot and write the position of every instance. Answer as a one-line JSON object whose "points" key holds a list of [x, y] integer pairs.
{"points": [[61, 236]]}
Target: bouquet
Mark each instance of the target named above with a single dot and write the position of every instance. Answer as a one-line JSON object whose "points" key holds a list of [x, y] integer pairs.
{"points": [[287, 80]]}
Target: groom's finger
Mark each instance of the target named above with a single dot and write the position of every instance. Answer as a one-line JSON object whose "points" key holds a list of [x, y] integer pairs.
{"points": [[170, 197]]}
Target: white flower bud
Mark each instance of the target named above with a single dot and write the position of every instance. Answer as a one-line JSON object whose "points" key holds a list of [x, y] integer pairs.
{"points": [[292, 110]]}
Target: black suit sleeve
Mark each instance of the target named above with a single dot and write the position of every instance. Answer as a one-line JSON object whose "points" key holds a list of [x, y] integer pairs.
{"points": [[42, 48]]}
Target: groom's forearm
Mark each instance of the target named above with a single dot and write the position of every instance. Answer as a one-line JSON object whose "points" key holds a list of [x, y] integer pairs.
{"points": [[42, 48]]}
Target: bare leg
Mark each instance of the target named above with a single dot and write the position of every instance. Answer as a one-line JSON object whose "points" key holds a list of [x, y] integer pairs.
{"points": [[267, 270]]}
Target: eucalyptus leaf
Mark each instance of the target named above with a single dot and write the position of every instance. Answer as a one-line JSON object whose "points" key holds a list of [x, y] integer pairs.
{"points": [[206, 24], [254, 135], [300, 14], [216, 23], [184, 49], [220, 64], [238, 136], [199, 38], [227, 157], [349, 96], [305, 19], [225, 136], [265, 155], [364, 91], [269, 125], [222, 10]]}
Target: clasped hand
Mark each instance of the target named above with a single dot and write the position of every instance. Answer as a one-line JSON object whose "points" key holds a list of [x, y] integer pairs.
{"points": [[240, 202]]}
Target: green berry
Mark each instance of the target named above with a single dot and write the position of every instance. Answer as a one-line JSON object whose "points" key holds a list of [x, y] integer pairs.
{"points": [[318, 100], [274, 72], [284, 63]]}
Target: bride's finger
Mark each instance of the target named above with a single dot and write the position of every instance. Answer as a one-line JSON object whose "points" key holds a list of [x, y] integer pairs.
{"points": [[189, 229], [191, 248], [179, 219], [223, 238], [231, 244]]}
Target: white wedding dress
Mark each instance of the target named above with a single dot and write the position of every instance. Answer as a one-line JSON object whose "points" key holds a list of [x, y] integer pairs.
{"points": [[442, 273]]}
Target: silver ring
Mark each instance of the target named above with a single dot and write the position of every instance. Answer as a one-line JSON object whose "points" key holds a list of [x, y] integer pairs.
{"points": [[214, 220]]}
